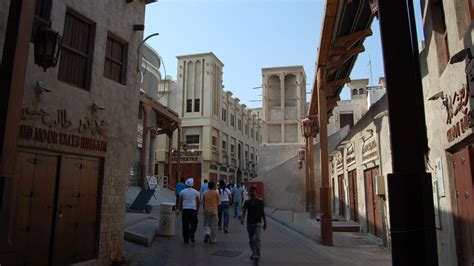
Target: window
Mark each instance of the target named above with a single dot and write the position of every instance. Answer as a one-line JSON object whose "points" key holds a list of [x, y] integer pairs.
{"points": [[189, 106], [441, 34], [239, 125], [197, 105], [246, 155], [224, 114], [232, 120], [214, 143], [251, 133], [232, 148], [361, 91], [346, 119], [77, 50], [246, 129], [354, 92], [115, 66], [192, 139], [224, 145]]}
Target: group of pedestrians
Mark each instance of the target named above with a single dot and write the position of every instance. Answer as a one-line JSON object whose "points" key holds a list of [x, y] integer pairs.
{"points": [[216, 203]]}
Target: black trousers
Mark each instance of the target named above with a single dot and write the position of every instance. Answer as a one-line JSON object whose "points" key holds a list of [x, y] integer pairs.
{"points": [[190, 221]]}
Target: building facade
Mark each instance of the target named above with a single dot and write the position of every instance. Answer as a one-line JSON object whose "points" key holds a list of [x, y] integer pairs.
{"points": [[220, 135], [77, 136], [447, 88], [284, 104]]}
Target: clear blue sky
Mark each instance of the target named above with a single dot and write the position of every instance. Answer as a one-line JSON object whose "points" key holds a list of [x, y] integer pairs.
{"points": [[248, 35]]}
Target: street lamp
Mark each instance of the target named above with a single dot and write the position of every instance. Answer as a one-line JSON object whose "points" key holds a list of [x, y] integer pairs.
{"points": [[309, 128]]}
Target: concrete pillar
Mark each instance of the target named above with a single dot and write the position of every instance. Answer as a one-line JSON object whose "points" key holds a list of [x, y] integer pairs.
{"points": [[282, 106]]}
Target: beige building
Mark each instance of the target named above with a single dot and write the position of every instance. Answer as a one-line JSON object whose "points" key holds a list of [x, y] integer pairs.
{"points": [[447, 90], [220, 136], [77, 136], [284, 104]]}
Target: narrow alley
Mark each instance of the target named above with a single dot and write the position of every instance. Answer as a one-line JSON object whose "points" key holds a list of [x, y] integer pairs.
{"points": [[280, 246]]}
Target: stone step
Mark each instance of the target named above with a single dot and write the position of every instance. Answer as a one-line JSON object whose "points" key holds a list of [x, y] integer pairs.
{"points": [[143, 232], [132, 218]]}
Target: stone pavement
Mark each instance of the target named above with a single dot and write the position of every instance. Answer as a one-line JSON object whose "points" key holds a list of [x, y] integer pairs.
{"points": [[280, 246]]}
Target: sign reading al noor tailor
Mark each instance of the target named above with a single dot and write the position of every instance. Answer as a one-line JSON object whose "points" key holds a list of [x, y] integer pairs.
{"points": [[40, 126]]}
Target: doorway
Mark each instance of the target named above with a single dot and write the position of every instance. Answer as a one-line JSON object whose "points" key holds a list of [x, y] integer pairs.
{"points": [[56, 209], [373, 204], [341, 195], [463, 165], [353, 199]]}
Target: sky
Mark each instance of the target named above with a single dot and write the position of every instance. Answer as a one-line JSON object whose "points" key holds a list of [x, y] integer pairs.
{"points": [[248, 35]]}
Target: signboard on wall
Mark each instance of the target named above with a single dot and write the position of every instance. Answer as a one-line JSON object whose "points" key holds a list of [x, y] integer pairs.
{"points": [[57, 129], [369, 150], [459, 117], [350, 154]]}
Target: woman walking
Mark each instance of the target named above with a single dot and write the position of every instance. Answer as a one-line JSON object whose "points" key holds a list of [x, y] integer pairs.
{"points": [[223, 208]]}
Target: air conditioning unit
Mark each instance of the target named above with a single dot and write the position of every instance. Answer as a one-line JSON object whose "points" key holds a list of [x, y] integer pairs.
{"points": [[379, 185]]}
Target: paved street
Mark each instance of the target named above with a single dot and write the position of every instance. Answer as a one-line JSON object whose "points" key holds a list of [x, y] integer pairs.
{"points": [[280, 246]]}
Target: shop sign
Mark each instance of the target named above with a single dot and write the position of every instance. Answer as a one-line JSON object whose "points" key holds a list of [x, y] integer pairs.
{"points": [[57, 128], [369, 150], [187, 156], [339, 161], [459, 117], [350, 154], [140, 135]]}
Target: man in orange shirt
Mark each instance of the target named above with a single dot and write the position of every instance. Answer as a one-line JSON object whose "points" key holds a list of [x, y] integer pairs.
{"points": [[211, 199]]}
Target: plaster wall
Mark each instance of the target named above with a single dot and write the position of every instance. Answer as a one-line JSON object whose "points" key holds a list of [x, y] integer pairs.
{"points": [[284, 183]]}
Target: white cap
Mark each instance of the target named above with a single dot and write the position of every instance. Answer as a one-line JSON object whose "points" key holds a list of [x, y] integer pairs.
{"points": [[189, 182]]}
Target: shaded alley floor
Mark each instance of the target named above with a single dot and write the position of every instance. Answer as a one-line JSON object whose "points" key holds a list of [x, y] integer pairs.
{"points": [[280, 246]]}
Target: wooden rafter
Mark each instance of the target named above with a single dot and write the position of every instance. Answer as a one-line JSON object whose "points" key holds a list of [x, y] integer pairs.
{"points": [[338, 82], [350, 38]]}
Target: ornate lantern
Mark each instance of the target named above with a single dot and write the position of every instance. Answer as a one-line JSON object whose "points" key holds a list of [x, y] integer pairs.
{"points": [[301, 153], [309, 127], [47, 47]]}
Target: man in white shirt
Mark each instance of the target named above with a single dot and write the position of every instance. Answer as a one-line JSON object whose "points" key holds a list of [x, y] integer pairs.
{"points": [[188, 203], [223, 208]]}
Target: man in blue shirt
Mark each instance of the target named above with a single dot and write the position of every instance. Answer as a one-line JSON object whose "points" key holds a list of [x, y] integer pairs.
{"points": [[179, 187]]}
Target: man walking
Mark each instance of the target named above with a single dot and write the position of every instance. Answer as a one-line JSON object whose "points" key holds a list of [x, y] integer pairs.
{"points": [[254, 211], [188, 203], [238, 197], [211, 199]]}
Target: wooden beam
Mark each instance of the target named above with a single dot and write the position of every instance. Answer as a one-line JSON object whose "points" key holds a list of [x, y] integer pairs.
{"points": [[338, 82], [350, 53], [335, 65], [332, 101], [337, 50], [355, 36]]}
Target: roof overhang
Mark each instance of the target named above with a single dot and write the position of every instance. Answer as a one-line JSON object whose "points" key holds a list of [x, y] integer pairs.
{"points": [[345, 27], [166, 118]]}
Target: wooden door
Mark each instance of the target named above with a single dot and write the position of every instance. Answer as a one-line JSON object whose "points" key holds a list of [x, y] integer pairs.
{"points": [[75, 236], [341, 195], [373, 204], [353, 200], [34, 208], [463, 166], [187, 170], [333, 196]]}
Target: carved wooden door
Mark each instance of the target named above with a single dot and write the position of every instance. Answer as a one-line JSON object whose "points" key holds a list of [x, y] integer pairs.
{"points": [[353, 200], [341, 195]]}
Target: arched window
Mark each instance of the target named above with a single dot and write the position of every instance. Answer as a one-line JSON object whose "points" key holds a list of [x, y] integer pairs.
{"points": [[361, 91], [354, 92]]}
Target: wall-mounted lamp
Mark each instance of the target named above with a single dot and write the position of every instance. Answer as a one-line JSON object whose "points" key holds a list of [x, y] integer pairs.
{"points": [[302, 153], [96, 107], [440, 95], [381, 114], [47, 47], [461, 55], [40, 88]]}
